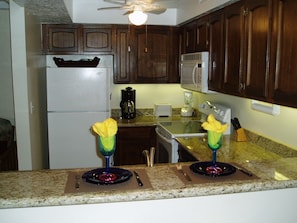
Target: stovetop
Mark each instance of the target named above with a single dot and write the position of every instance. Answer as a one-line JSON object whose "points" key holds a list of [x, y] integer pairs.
{"points": [[181, 128], [190, 128]]}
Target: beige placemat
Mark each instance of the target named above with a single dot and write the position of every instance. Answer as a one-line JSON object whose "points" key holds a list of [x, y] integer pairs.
{"points": [[131, 184], [200, 179]]}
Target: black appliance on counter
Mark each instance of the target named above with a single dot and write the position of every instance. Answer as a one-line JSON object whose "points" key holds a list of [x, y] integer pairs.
{"points": [[127, 104]]}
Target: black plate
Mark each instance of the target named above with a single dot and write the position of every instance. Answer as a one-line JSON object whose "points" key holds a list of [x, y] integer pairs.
{"points": [[92, 176], [202, 169]]}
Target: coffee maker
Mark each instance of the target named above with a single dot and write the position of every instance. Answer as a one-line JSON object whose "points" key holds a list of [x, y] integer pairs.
{"points": [[128, 103]]}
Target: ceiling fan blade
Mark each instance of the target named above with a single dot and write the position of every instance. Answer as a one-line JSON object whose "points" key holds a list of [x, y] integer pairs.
{"points": [[128, 12], [108, 8], [157, 11], [167, 3], [118, 2]]}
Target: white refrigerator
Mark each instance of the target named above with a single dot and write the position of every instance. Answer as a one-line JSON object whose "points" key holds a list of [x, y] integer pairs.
{"points": [[76, 99]]}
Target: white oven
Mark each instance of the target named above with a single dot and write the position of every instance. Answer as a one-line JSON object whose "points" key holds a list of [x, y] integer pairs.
{"points": [[167, 132], [167, 146]]}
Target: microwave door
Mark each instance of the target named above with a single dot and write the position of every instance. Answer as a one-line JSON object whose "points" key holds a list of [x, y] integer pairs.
{"points": [[197, 76], [187, 76], [191, 75]]}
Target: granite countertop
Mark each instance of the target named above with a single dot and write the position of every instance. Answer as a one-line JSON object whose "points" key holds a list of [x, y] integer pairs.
{"points": [[274, 165], [146, 117], [47, 187], [149, 120]]}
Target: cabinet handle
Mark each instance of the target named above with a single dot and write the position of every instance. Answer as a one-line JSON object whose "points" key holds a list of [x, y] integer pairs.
{"points": [[242, 86], [245, 11]]}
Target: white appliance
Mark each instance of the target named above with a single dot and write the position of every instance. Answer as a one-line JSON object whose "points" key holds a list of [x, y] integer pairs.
{"points": [[162, 110], [76, 99], [167, 131], [187, 109], [194, 72]]}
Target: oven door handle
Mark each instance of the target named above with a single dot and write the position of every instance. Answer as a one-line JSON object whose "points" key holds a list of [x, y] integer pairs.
{"points": [[161, 136]]}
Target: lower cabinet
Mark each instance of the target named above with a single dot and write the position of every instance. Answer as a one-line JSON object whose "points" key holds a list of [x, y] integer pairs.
{"points": [[131, 141], [184, 155]]}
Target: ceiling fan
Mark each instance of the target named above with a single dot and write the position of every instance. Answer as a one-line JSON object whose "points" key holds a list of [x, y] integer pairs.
{"points": [[137, 9]]}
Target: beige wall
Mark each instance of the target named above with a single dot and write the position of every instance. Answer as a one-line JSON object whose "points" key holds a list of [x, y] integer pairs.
{"points": [[280, 128], [6, 92], [28, 68]]}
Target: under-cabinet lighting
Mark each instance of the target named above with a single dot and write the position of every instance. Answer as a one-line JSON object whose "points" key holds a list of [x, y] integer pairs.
{"points": [[268, 108]]}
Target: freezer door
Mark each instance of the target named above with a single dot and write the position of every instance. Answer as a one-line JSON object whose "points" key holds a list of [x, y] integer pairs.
{"points": [[78, 89], [71, 144]]}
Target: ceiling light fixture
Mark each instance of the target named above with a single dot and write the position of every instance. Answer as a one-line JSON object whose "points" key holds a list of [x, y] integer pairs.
{"points": [[137, 17]]}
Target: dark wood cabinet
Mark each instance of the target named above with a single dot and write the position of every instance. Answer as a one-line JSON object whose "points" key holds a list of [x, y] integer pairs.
{"points": [[257, 44], [216, 50], [184, 155], [189, 37], [233, 42], [131, 141], [152, 55], [61, 39], [284, 72], [123, 55], [146, 54], [76, 39], [202, 39], [195, 36], [97, 39], [247, 48]]}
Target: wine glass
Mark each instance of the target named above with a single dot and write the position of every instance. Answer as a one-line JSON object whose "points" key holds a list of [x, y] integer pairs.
{"points": [[214, 141], [107, 148]]}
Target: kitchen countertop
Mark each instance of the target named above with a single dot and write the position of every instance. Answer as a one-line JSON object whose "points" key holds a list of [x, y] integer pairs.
{"points": [[149, 120], [46, 187]]}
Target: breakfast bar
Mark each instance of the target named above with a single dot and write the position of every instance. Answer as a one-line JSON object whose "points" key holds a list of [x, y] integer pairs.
{"points": [[273, 186]]}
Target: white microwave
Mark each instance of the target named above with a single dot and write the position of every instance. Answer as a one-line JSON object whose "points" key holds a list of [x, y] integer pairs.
{"points": [[194, 71]]}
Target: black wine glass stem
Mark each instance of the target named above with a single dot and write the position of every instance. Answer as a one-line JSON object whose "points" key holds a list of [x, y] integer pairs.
{"points": [[214, 157]]}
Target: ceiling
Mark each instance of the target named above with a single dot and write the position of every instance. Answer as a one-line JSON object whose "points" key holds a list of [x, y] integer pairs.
{"points": [[55, 11], [48, 11], [85, 11]]}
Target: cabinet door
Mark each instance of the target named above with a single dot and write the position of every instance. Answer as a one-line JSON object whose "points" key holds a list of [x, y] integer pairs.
{"points": [[61, 39], [190, 37], [131, 141], [258, 15], [97, 39], [202, 40], [285, 76], [234, 24], [123, 57], [152, 53], [216, 50]]}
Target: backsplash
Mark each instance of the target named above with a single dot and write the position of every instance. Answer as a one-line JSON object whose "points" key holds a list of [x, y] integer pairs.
{"points": [[270, 145]]}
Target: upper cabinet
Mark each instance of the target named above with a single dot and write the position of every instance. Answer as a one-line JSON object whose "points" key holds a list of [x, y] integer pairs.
{"points": [[96, 39], [146, 54], [195, 36], [60, 39], [247, 48], [284, 71], [216, 50], [123, 60], [252, 45], [77, 39]]}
